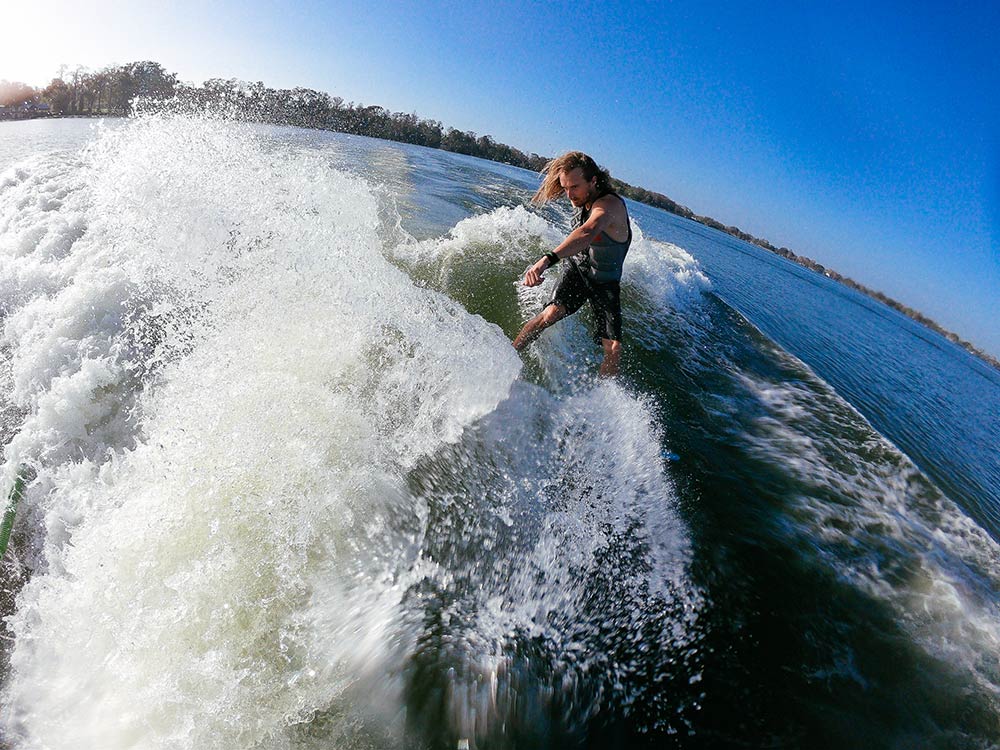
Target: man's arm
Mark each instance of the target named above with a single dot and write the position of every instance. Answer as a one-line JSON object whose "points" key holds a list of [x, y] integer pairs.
{"points": [[576, 242]]}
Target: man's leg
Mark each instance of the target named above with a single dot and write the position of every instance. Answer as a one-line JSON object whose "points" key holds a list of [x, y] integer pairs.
{"points": [[607, 307], [612, 357], [534, 327]]}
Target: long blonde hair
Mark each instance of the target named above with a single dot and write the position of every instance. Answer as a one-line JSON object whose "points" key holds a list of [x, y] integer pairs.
{"points": [[567, 163]]}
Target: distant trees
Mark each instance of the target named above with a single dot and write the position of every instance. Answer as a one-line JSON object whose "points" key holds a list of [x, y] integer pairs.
{"points": [[109, 91], [143, 80], [316, 109], [59, 96], [115, 90]]}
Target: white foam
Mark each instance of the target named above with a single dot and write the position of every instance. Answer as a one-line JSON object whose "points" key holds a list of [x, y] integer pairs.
{"points": [[883, 526], [668, 275], [588, 552], [225, 383], [503, 234], [226, 388]]}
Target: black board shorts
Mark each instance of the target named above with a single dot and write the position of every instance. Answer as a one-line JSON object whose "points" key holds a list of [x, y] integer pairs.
{"points": [[605, 301]]}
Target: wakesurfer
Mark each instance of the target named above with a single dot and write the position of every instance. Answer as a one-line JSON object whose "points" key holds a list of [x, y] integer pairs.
{"points": [[595, 252]]}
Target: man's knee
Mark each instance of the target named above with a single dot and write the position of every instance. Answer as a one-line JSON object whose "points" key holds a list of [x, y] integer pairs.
{"points": [[553, 313], [612, 347]]}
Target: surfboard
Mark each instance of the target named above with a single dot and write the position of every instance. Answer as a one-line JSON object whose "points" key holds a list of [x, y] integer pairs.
{"points": [[8, 515]]}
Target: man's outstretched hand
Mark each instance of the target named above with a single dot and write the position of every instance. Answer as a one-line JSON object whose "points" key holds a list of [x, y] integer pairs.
{"points": [[533, 276]]}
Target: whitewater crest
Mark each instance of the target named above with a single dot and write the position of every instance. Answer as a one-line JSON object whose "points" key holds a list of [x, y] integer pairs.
{"points": [[268, 449], [222, 381], [891, 532]]}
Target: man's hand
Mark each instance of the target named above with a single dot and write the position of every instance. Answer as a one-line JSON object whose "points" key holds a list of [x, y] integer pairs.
{"points": [[533, 276]]}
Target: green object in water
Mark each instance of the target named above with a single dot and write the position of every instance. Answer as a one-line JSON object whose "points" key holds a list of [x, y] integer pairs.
{"points": [[8, 515]]}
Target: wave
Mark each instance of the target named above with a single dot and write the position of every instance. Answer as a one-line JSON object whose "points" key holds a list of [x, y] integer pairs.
{"points": [[858, 506], [489, 252], [253, 430]]}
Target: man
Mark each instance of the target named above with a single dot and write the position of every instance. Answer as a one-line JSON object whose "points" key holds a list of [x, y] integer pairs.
{"points": [[596, 250]]}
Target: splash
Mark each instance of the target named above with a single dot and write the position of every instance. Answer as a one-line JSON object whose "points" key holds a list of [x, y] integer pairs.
{"points": [[880, 524], [223, 383], [252, 408]]}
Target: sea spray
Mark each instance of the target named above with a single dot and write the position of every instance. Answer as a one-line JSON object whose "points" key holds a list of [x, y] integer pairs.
{"points": [[567, 583], [226, 534]]}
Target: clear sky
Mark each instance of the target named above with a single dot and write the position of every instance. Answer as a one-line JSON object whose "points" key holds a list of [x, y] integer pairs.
{"points": [[864, 135]]}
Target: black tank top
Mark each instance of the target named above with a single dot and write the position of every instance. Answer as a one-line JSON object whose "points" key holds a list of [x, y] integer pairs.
{"points": [[604, 258]]}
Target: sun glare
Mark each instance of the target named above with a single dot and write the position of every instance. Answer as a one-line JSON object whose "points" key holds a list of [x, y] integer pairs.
{"points": [[39, 37]]}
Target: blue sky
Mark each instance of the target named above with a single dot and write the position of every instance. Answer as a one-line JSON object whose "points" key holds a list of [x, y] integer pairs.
{"points": [[863, 135]]}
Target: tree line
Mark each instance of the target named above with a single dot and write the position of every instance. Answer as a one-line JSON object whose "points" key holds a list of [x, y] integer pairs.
{"points": [[117, 90], [109, 91], [114, 91]]}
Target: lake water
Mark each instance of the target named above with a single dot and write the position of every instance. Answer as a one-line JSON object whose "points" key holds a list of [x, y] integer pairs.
{"points": [[291, 487]]}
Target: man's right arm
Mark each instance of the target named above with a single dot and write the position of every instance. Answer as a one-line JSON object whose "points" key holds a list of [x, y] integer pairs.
{"points": [[576, 242]]}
